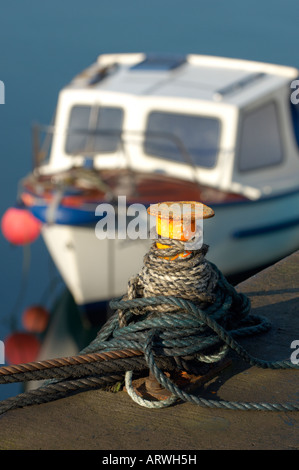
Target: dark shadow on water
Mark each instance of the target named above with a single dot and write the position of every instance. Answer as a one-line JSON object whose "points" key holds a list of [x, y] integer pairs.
{"points": [[240, 277], [243, 276], [273, 292]]}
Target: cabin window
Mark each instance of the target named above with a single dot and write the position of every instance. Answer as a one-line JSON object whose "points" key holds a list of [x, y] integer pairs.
{"points": [[260, 144], [93, 130], [182, 138]]}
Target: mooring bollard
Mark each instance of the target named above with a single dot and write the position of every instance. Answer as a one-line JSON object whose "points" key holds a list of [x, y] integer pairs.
{"points": [[178, 221]]}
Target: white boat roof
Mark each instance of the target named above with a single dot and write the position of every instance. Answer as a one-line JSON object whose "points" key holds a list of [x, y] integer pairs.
{"points": [[200, 77]]}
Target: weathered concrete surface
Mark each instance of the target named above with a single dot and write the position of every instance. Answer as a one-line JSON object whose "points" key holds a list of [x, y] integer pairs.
{"points": [[102, 420]]}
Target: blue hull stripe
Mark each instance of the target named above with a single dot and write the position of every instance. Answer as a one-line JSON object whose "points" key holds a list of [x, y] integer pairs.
{"points": [[255, 231], [65, 215], [80, 216]]}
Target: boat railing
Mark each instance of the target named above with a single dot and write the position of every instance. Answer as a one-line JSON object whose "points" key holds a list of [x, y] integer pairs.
{"points": [[125, 139]]}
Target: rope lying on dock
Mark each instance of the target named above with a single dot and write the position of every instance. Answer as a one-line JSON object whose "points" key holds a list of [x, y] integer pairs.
{"points": [[178, 314]]}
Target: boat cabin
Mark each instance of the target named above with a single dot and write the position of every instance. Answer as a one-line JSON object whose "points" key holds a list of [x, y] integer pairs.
{"points": [[227, 123]]}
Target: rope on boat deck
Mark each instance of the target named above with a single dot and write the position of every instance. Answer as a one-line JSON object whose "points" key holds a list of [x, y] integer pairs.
{"points": [[178, 314]]}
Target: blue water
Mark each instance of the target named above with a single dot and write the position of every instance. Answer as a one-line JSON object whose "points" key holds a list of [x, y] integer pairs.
{"points": [[43, 44]]}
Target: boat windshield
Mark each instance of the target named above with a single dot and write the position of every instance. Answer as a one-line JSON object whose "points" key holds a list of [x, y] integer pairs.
{"points": [[93, 129], [198, 134]]}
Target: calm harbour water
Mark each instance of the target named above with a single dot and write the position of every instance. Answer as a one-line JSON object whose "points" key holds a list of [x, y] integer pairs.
{"points": [[43, 44]]}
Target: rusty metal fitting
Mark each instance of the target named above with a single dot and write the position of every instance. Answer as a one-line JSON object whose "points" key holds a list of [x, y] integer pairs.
{"points": [[177, 220]]}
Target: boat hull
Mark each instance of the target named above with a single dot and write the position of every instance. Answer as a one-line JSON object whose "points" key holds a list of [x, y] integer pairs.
{"points": [[242, 236]]}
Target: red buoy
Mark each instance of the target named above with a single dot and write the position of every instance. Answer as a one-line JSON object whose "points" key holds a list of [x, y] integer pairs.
{"points": [[21, 347], [35, 319], [19, 226]]}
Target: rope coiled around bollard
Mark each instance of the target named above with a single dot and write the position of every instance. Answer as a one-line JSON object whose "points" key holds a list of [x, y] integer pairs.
{"points": [[157, 332]]}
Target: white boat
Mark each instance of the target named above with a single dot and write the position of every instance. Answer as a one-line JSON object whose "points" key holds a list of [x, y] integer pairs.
{"points": [[153, 128]]}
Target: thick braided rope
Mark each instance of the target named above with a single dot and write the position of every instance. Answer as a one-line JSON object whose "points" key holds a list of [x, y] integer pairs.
{"points": [[220, 404], [100, 375], [152, 275], [171, 331]]}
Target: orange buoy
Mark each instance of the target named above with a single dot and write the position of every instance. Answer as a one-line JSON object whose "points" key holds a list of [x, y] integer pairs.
{"points": [[21, 347], [19, 226], [35, 319]]}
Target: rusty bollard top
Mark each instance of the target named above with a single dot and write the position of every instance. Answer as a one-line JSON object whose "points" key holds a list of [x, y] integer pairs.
{"points": [[177, 220]]}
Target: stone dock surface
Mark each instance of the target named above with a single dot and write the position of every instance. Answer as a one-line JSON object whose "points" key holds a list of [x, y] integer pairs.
{"points": [[112, 421]]}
